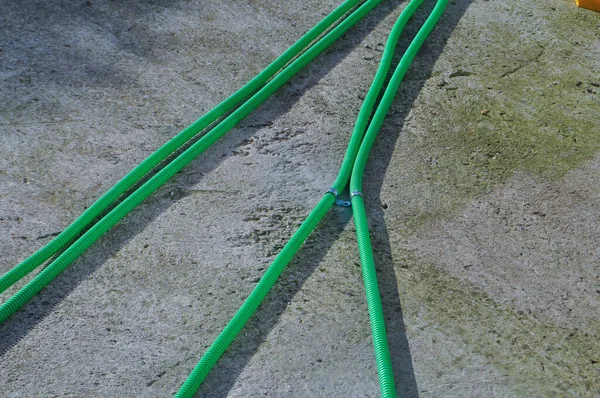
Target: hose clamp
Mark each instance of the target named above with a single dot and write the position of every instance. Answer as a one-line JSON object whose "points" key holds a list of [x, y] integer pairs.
{"points": [[356, 193], [333, 191], [338, 202]]}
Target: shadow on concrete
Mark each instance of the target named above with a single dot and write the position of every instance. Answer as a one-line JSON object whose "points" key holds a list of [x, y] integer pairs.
{"points": [[223, 377]]}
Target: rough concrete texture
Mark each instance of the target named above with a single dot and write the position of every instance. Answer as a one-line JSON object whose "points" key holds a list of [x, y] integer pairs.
{"points": [[483, 193]]}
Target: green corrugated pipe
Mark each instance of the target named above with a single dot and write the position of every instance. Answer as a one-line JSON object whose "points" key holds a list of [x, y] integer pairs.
{"points": [[380, 344]]}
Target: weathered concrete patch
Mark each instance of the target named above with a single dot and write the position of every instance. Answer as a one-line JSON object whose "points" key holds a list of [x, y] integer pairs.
{"points": [[531, 244], [532, 247]]}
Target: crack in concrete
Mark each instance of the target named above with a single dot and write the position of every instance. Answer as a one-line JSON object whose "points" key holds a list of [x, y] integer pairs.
{"points": [[518, 68]]}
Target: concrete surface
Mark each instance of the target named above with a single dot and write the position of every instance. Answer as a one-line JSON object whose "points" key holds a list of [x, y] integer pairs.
{"points": [[483, 194]]}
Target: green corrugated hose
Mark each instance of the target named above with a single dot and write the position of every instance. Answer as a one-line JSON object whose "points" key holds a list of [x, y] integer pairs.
{"points": [[382, 354], [353, 166], [167, 149], [257, 90]]}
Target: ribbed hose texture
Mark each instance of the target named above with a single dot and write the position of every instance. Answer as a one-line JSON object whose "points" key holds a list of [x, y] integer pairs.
{"points": [[226, 337], [94, 233], [380, 344], [366, 110], [392, 89], [88, 216]]}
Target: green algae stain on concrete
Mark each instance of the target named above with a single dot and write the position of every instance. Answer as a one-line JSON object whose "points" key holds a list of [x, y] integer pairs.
{"points": [[538, 359], [501, 135], [504, 98]]}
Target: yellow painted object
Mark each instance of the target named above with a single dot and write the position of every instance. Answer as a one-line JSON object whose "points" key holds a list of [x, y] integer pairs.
{"points": [[590, 4]]}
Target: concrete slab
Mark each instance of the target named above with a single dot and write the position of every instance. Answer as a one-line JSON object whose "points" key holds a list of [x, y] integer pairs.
{"points": [[482, 193]]}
